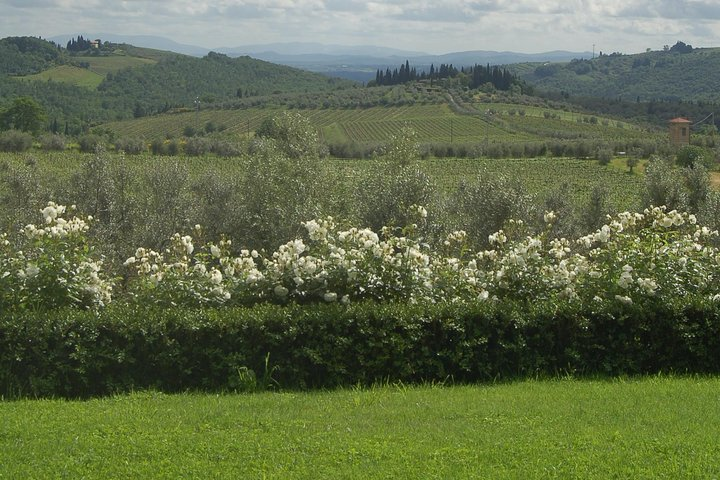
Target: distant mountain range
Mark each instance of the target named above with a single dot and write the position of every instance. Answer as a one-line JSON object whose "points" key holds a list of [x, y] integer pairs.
{"points": [[353, 62]]}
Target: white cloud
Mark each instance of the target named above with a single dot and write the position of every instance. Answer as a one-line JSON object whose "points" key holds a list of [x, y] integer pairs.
{"points": [[435, 26]]}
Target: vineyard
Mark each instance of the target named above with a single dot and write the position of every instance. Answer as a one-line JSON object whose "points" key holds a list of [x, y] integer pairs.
{"points": [[432, 123]]}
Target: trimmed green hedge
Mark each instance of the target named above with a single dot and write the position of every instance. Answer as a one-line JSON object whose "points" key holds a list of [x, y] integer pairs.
{"points": [[73, 353]]}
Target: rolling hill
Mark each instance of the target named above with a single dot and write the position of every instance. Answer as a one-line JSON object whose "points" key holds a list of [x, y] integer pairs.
{"points": [[120, 81], [675, 74]]}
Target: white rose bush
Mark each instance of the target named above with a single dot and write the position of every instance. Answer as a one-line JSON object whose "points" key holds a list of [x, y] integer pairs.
{"points": [[633, 259], [52, 265]]}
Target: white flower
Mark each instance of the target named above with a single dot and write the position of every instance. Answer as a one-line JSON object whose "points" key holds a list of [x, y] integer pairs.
{"points": [[187, 244], [215, 251], [49, 213], [129, 261], [549, 217], [623, 299], [281, 291], [215, 276], [31, 270], [330, 297]]}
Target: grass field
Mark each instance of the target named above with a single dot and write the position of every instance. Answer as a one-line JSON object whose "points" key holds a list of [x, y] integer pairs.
{"points": [[109, 64], [655, 427], [81, 77], [89, 77]]}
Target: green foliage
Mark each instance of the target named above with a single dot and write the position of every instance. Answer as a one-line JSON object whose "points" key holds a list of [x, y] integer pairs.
{"points": [[278, 192], [138, 81], [653, 76], [52, 266], [73, 353], [604, 155], [394, 184], [15, 141], [689, 155], [664, 185], [52, 142], [89, 143], [294, 134], [131, 146], [27, 55], [482, 207], [180, 80], [25, 114]]}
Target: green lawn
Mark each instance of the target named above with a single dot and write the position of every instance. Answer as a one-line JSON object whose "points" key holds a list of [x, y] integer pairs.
{"points": [[654, 427]]}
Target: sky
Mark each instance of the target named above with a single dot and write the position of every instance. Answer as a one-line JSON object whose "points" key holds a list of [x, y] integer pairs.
{"points": [[436, 27]]}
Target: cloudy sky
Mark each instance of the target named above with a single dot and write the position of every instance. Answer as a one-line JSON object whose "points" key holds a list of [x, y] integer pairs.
{"points": [[439, 26]]}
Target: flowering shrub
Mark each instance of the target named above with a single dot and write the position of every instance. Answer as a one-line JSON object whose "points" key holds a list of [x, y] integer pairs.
{"points": [[52, 265], [635, 258]]}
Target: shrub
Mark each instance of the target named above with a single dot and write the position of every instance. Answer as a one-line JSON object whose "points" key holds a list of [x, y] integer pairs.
{"points": [[15, 141], [603, 155], [84, 353], [197, 146], [131, 146], [52, 266], [89, 143], [689, 155], [158, 147], [226, 148], [53, 142]]}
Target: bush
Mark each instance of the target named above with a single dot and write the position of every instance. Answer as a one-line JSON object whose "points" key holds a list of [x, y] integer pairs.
{"points": [[90, 143], [226, 148], [131, 146], [72, 353], [52, 142], [197, 146], [689, 155], [603, 155], [158, 147], [15, 141]]}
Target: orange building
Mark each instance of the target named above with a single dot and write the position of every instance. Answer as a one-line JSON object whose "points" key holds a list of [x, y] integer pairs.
{"points": [[680, 131]]}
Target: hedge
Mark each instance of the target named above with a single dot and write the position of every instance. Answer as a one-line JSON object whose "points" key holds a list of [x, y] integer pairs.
{"points": [[77, 354]]}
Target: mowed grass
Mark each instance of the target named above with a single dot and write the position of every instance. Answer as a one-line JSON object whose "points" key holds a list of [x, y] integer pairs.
{"points": [[656, 427]]}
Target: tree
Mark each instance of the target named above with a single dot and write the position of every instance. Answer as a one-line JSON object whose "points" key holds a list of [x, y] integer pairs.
{"points": [[631, 162], [690, 155], [25, 114]]}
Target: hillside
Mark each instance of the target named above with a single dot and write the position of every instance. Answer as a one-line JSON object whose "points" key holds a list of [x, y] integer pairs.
{"points": [[28, 55], [118, 81], [452, 118], [181, 80], [675, 74]]}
